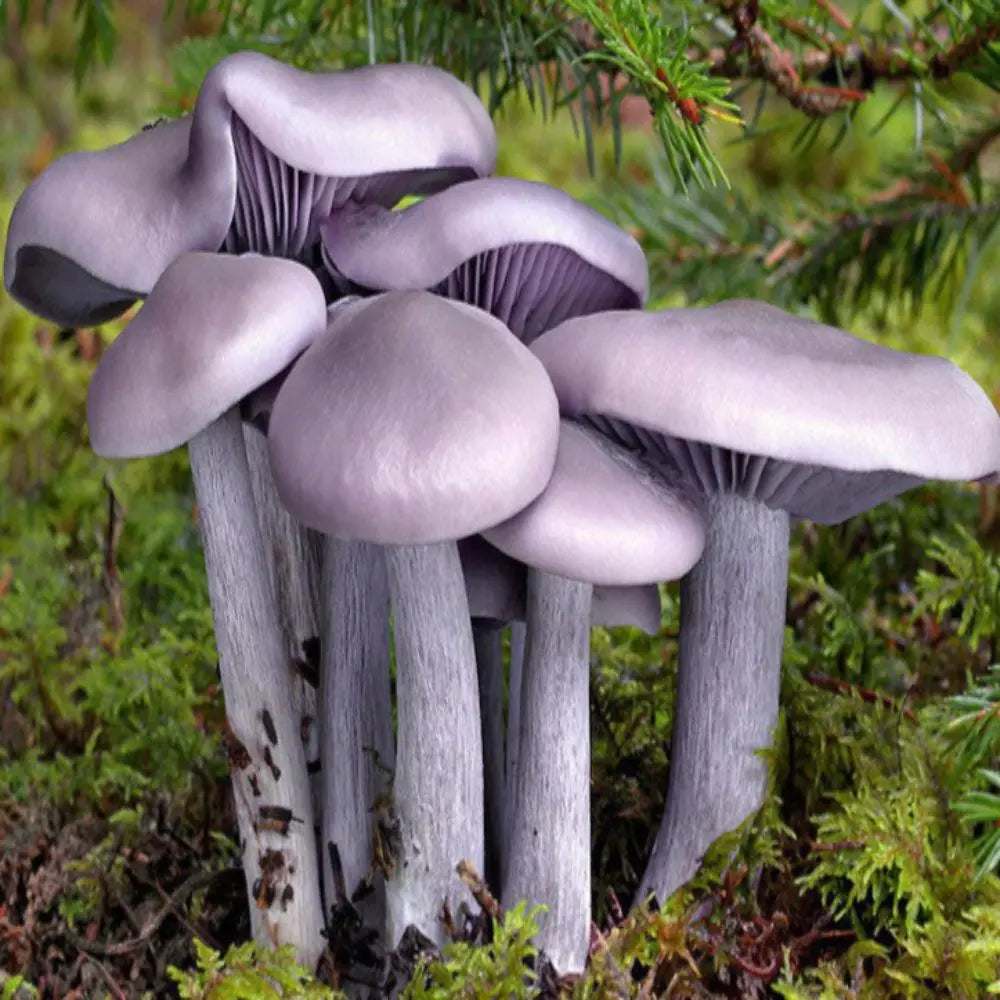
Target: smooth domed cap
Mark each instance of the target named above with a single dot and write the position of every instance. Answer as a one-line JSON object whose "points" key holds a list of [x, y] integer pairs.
{"points": [[421, 245], [413, 420], [95, 230], [801, 415], [213, 328], [496, 586], [604, 518]]}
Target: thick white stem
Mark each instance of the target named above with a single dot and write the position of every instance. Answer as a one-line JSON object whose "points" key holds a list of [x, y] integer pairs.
{"points": [[438, 787], [268, 765], [729, 673], [356, 717], [489, 665], [548, 855]]}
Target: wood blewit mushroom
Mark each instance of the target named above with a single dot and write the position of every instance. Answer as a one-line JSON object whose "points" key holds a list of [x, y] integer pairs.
{"points": [[527, 253], [267, 153], [766, 415], [415, 421], [602, 518], [212, 329]]}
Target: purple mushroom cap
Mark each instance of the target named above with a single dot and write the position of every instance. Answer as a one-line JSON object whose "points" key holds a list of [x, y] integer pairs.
{"points": [[604, 518], [413, 420], [743, 397], [268, 152], [214, 328], [526, 252]]}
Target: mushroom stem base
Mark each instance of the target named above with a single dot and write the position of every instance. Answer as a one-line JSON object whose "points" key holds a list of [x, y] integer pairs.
{"points": [[548, 850], [356, 747], [732, 628], [438, 786]]}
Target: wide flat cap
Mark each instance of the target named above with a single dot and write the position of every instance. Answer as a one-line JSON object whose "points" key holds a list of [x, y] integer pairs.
{"points": [[743, 396], [526, 252], [421, 245]]}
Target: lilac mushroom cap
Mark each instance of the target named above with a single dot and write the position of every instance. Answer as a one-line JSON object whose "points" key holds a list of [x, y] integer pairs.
{"points": [[213, 329], [604, 518], [526, 252], [746, 398], [268, 152], [95, 230], [413, 420]]}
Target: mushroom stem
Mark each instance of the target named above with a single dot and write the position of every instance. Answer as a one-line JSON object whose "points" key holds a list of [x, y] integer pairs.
{"points": [[355, 713], [292, 554], [270, 783], [486, 635], [732, 628], [548, 851], [293, 550], [438, 786]]}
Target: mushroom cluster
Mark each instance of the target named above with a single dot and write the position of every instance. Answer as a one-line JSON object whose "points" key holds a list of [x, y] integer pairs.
{"points": [[409, 428]]}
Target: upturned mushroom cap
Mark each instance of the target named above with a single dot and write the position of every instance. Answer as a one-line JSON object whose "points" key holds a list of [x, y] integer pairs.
{"points": [[744, 397], [95, 230], [390, 118], [213, 328], [268, 151], [526, 252], [496, 586], [413, 420], [604, 518]]}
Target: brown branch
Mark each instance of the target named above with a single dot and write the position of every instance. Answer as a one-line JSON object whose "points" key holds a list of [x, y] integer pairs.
{"points": [[943, 64], [837, 686], [754, 55], [197, 881], [836, 14]]}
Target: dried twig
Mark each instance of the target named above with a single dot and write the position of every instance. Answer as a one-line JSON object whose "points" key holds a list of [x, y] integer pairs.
{"points": [[837, 686]]}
